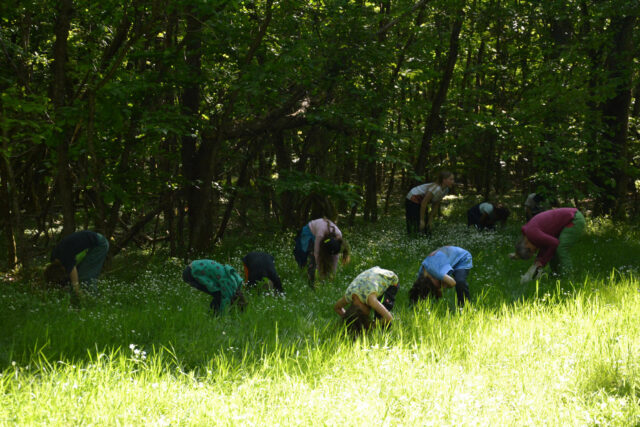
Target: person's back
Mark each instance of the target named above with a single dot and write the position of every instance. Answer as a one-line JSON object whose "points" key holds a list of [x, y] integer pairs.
{"points": [[259, 265]]}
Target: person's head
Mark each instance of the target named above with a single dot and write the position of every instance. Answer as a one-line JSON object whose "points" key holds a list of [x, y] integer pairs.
{"points": [[423, 287], [55, 274], [501, 214], [524, 248], [330, 246], [357, 318], [445, 179]]}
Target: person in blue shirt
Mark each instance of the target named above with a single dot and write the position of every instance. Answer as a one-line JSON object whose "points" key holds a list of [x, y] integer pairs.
{"points": [[446, 267]]}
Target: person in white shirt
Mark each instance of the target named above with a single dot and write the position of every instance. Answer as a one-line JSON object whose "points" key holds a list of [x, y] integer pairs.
{"points": [[423, 195]]}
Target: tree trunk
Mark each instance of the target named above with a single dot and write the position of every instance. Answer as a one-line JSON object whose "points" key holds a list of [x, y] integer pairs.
{"points": [[11, 208], [242, 181], [191, 106], [615, 113], [283, 162], [64, 180], [434, 115], [370, 181]]}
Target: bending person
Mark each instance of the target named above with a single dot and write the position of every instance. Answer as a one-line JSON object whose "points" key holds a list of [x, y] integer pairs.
{"points": [[486, 215], [78, 259], [261, 265], [375, 289], [447, 266], [551, 234], [221, 281], [422, 196], [317, 246]]}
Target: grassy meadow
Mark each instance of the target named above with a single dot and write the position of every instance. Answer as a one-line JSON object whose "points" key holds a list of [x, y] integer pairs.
{"points": [[561, 351]]}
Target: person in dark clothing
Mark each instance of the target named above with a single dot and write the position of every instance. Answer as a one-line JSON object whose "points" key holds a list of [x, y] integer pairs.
{"points": [[486, 215], [533, 205], [260, 265], [78, 259]]}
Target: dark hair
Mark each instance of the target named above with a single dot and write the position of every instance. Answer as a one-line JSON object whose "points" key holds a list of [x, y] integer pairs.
{"points": [[332, 245], [522, 250], [356, 320], [56, 274], [501, 214], [422, 288], [443, 175]]}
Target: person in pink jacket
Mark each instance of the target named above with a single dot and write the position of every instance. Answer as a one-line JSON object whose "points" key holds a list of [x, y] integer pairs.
{"points": [[551, 233], [323, 240]]}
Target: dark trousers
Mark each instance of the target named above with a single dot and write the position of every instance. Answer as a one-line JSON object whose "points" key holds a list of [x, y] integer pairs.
{"points": [[462, 287], [474, 217], [217, 296], [412, 215]]}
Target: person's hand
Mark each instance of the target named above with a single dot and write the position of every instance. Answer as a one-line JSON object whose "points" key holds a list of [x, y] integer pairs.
{"points": [[538, 274], [528, 276]]}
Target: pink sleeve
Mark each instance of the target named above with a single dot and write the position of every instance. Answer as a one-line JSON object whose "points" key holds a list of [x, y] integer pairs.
{"points": [[546, 243]]}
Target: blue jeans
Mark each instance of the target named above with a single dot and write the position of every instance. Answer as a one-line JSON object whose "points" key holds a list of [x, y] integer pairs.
{"points": [[91, 265]]}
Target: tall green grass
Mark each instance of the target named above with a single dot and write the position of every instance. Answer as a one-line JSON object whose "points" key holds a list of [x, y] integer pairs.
{"points": [[562, 351]]}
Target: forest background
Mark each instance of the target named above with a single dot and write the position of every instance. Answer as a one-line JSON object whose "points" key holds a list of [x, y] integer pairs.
{"points": [[174, 121]]}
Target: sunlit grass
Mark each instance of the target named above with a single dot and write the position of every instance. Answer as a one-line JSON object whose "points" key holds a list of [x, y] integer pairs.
{"points": [[562, 351]]}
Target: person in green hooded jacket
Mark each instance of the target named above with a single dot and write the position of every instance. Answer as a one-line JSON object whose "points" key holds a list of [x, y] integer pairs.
{"points": [[221, 281]]}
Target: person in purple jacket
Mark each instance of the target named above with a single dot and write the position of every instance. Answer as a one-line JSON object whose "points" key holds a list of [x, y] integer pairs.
{"points": [[551, 233]]}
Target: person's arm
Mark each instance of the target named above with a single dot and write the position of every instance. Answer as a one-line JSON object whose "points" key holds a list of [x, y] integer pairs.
{"points": [[423, 208], [73, 276], [216, 302], [449, 281], [545, 243], [339, 307], [433, 212], [372, 301]]}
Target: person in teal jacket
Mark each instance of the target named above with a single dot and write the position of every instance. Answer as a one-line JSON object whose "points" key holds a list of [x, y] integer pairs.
{"points": [[221, 281]]}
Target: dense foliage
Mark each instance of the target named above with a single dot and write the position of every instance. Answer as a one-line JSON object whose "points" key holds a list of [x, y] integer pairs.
{"points": [[187, 116]]}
